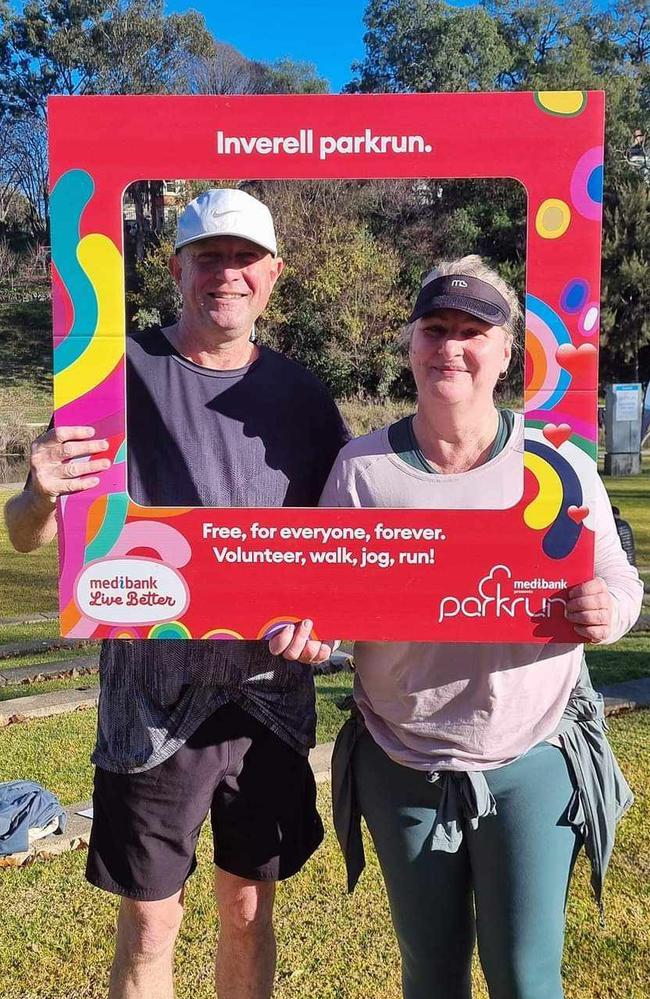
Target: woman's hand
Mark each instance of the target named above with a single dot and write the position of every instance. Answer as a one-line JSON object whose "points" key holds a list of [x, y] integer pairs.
{"points": [[294, 643], [590, 610]]}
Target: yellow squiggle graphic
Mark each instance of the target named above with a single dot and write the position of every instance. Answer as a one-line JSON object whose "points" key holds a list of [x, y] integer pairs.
{"points": [[543, 510], [100, 259]]}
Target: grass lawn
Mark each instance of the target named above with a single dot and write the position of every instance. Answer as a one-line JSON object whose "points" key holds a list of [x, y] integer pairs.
{"points": [[56, 935], [27, 582], [626, 660], [10, 633], [632, 495], [55, 751], [26, 359], [13, 691], [63, 655]]}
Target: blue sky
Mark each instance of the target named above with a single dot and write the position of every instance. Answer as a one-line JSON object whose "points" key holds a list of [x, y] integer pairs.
{"points": [[328, 33]]}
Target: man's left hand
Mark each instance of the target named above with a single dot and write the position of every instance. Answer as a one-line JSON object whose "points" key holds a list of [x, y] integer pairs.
{"points": [[590, 610], [294, 643]]}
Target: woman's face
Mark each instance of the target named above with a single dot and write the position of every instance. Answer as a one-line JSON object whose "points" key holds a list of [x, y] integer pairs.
{"points": [[456, 358]]}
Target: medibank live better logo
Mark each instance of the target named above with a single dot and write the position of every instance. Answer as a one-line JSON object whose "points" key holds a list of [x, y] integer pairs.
{"points": [[134, 590], [499, 596]]}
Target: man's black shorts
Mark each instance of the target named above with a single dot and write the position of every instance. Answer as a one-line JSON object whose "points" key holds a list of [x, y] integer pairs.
{"points": [[260, 792]]}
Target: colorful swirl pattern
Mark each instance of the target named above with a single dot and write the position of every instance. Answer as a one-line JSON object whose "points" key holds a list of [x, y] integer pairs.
{"points": [[546, 382], [101, 344], [222, 634], [574, 295], [558, 489], [88, 363], [172, 629]]}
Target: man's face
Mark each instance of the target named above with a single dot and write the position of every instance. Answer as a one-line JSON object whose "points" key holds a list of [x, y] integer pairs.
{"points": [[225, 283]]}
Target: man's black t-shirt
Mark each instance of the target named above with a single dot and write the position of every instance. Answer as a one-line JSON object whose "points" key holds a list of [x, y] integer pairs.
{"points": [[263, 435]]}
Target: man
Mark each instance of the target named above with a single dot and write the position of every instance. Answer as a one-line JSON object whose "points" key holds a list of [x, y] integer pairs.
{"points": [[187, 728]]}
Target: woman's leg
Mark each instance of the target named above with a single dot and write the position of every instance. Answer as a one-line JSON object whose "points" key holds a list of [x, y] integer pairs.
{"points": [[522, 859], [429, 891]]}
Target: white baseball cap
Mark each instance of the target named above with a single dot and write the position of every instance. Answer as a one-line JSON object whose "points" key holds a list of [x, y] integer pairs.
{"points": [[226, 212]]}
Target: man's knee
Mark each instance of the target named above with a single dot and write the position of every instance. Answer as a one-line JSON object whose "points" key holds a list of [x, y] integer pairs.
{"points": [[245, 906], [149, 929]]}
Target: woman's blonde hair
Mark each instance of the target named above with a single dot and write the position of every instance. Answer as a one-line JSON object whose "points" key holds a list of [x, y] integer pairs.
{"points": [[474, 266]]}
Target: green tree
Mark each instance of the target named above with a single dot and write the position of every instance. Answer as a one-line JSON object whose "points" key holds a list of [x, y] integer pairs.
{"points": [[339, 305], [93, 46], [418, 45], [222, 69], [533, 45], [625, 320], [83, 47], [340, 302], [157, 301], [286, 76], [142, 50]]}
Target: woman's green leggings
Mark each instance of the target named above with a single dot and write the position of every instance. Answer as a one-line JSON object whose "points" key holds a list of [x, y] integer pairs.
{"points": [[506, 886]]}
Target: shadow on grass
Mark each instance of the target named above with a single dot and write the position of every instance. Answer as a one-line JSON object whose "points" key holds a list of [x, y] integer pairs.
{"points": [[333, 693], [611, 666], [20, 690], [628, 494], [25, 345], [27, 592]]}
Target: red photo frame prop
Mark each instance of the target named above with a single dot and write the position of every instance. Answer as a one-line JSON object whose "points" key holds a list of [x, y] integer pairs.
{"points": [[445, 575]]}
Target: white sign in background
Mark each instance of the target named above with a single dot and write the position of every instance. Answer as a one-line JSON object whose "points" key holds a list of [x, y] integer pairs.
{"points": [[627, 402]]}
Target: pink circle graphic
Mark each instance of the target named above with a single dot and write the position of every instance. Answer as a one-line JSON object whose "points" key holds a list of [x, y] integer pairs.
{"points": [[589, 319], [586, 184]]}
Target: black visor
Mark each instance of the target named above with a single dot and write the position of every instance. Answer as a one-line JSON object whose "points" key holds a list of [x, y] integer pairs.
{"points": [[469, 294]]}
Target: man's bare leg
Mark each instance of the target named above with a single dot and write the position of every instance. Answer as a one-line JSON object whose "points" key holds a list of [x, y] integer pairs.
{"points": [[245, 966], [146, 933]]}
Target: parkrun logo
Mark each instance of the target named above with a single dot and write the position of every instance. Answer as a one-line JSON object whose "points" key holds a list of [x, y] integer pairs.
{"points": [[498, 595]]}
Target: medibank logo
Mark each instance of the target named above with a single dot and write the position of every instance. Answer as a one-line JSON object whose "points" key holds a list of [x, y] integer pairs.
{"points": [[131, 590], [497, 596]]}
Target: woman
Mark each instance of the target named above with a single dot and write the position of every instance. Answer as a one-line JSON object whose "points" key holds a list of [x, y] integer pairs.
{"points": [[480, 769]]}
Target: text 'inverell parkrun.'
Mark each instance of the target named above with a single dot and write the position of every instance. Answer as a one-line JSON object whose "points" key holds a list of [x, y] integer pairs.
{"points": [[350, 546]]}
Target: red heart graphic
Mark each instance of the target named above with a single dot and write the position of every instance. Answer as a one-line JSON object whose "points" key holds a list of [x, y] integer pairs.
{"points": [[578, 361], [557, 435], [578, 513]]}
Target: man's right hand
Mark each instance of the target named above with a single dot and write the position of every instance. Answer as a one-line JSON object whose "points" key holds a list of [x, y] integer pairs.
{"points": [[62, 462]]}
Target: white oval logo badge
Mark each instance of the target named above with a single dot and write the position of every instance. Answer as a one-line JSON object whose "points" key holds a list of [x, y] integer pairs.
{"points": [[131, 591]]}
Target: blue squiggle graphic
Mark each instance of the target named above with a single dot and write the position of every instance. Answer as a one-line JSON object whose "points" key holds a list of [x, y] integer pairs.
{"points": [[71, 194], [117, 505]]}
